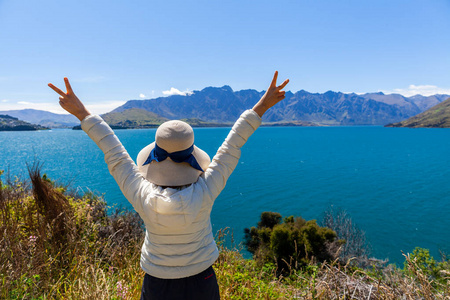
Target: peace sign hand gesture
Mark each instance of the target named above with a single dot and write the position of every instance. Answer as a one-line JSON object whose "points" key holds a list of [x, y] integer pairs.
{"points": [[273, 95], [70, 102]]}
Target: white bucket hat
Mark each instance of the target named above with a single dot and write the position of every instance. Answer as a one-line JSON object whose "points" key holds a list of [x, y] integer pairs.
{"points": [[173, 159]]}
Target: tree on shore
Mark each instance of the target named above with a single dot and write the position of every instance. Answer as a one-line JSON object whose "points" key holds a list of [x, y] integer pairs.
{"points": [[291, 243], [354, 244]]}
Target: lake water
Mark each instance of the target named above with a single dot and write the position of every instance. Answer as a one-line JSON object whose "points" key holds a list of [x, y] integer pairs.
{"points": [[394, 182]]}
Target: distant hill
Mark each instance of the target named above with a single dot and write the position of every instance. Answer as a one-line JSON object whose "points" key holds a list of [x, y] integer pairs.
{"points": [[43, 118], [8, 123], [133, 118], [223, 105], [436, 117]]}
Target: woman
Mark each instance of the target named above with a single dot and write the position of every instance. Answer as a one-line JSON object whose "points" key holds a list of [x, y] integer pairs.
{"points": [[173, 188]]}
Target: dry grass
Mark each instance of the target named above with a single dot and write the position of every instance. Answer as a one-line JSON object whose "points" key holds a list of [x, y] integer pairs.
{"points": [[58, 245], [55, 244], [341, 282]]}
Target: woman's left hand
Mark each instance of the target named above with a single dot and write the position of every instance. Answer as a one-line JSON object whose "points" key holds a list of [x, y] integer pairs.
{"points": [[70, 102]]}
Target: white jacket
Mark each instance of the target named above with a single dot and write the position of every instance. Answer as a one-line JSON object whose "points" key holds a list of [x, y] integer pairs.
{"points": [[178, 241]]}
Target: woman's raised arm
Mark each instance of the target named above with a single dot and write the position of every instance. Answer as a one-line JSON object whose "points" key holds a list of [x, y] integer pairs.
{"points": [[120, 165]]}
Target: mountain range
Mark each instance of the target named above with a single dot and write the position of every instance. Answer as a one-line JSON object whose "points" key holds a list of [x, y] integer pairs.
{"points": [[223, 105], [213, 106]]}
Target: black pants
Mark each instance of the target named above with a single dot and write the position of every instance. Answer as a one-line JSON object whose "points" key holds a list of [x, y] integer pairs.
{"points": [[202, 286]]}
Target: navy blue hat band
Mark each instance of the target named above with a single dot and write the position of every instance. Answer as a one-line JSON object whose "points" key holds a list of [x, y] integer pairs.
{"points": [[158, 154]]}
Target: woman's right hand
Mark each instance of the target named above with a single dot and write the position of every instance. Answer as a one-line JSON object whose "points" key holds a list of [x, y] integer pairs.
{"points": [[273, 95], [70, 102]]}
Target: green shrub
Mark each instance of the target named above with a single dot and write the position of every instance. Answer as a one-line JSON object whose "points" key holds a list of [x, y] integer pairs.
{"points": [[269, 219], [422, 261], [290, 244]]}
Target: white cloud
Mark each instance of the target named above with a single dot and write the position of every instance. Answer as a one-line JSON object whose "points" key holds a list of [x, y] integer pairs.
{"points": [[4, 100], [142, 96], [424, 90], [174, 91]]}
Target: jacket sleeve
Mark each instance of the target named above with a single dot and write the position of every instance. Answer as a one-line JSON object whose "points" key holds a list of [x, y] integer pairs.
{"points": [[227, 157], [132, 184]]}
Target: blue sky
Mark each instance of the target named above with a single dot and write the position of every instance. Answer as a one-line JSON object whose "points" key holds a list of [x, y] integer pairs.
{"points": [[113, 51]]}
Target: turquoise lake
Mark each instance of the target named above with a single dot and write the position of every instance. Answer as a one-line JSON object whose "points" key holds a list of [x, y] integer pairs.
{"points": [[394, 182]]}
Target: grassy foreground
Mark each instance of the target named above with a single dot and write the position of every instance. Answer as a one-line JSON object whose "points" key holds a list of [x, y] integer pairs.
{"points": [[56, 244]]}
